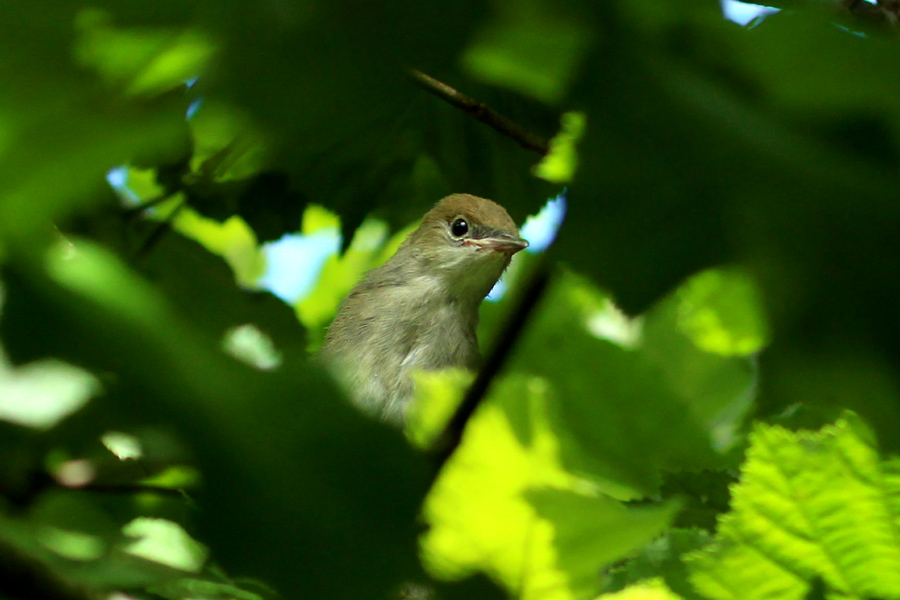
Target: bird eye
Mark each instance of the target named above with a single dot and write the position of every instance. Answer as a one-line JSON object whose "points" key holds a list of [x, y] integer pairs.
{"points": [[459, 228]]}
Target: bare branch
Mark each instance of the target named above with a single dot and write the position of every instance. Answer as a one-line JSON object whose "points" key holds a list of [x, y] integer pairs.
{"points": [[481, 111]]}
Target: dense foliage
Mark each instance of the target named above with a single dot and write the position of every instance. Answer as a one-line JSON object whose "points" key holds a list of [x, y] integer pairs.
{"points": [[698, 396]]}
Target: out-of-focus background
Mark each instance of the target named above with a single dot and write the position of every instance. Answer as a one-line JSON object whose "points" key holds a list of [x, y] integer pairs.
{"points": [[702, 403]]}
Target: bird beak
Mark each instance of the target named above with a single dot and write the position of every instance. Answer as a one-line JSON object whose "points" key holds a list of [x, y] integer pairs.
{"points": [[502, 242]]}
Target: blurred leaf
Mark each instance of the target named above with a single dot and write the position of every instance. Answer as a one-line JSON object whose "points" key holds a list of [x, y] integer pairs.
{"points": [[531, 47], [188, 588], [316, 218], [233, 240], [705, 496], [227, 145], [140, 60], [776, 57], [613, 402], [438, 394], [124, 446], [790, 520], [338, 508], [593, 532], [42, 393], [142, 186], [165, 542], [79, 542], [688, 162], [650, 590], [721, 311], [62, 130], [249, 344], [560, 165], [334, 107], [719, 390], [203, 287], [805, 386]]}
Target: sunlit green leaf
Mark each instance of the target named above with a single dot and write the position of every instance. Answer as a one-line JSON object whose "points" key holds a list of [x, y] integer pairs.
{"points": [[249, 344], [506, 505], [122, 445], [721, 311], [438, 394], [651, 590], [42, 393], [809, 504], [165, 542], [72, 545], [612, 402], [233, 240], [560, 165]]}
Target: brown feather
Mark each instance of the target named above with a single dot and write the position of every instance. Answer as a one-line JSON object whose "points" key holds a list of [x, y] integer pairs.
{"points": [[420, 309]]}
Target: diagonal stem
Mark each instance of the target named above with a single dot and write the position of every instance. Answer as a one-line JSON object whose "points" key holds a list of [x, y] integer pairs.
{"points": [[451, 438], [481, 111]]}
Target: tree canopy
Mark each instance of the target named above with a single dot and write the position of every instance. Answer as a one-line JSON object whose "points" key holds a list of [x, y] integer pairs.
{"points": [[693, 393]]}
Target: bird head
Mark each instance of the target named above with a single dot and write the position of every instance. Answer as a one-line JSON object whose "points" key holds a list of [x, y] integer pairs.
{"points": [[466, 242]]}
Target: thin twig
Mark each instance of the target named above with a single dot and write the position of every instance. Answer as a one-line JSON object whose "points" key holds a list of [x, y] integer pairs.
{"points": [[481, 111], [159, 231], [452, 436], [130, 488]]}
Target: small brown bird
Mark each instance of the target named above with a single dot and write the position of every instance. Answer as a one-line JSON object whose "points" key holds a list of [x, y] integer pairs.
{"points": [[419, 310]]}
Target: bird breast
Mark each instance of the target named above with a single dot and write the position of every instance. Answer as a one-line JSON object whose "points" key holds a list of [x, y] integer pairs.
{"points": [[401, 329]]}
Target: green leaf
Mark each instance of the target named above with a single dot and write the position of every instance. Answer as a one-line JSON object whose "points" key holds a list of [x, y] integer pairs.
{"points": [[591, 533], [809, 504], [193, 279], [612, 402], [140, 60], [721, 311], [561, 163], [78, 541], [61, 130], [340, 507], [505, 504], [531, 47], [164, 542], [718, 387], [42, 393], [227, 144], [650, 590], [438, 394], [189, 588], [661, 558]]}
